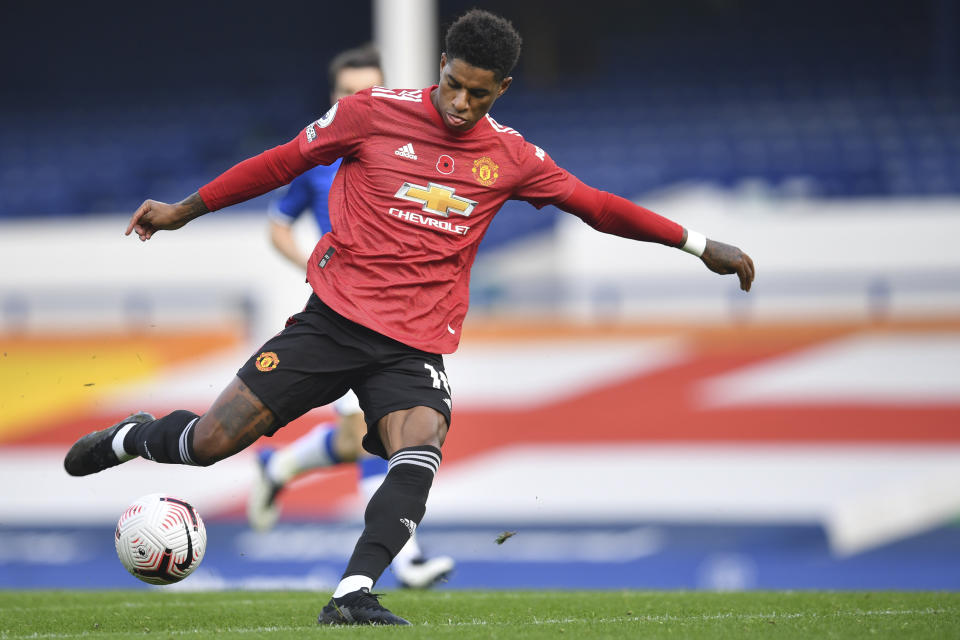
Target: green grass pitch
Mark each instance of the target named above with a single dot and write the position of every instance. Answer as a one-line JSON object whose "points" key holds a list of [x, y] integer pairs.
{"points": [[486, 614]]}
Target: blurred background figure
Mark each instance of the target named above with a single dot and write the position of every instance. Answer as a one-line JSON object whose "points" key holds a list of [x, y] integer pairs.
{"points": [[804, 436], [329, 444], [350, 71]]}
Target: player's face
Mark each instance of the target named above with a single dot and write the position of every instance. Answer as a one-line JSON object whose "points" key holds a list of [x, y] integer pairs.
{"points": [[466, 93], [351, 80]]}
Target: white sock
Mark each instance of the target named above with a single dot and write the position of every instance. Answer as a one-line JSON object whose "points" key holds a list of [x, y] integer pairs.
{"points": [[410, 551], [352, 583], [312, 450], [117, 443]]}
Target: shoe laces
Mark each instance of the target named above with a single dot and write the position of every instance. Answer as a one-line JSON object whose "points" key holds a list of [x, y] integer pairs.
{"points": [[368, 599]]}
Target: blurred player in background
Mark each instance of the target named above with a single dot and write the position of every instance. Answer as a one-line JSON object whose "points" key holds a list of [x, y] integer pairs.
{"points": [[350, 71], [329, 444], [424, 171]]}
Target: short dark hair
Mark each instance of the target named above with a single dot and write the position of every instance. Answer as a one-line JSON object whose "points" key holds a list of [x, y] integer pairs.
{"points": [[358, 58], [484, 40]]}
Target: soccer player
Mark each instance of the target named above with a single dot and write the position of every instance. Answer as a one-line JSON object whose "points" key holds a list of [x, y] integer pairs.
{"points": [[328, 444], [423, 173]]}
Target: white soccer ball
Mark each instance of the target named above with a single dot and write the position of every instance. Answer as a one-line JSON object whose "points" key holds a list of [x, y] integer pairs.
{"points": [[160, 539]]}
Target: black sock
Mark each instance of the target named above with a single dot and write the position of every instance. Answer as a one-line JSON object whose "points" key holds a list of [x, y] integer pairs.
{"points": [[395, 510], [169, 439]]}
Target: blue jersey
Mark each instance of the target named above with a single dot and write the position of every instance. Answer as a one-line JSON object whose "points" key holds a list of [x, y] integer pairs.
{"points": [[307, 191]]}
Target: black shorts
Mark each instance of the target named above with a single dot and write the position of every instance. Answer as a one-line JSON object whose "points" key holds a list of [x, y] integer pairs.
{"points": [[320, 354]]}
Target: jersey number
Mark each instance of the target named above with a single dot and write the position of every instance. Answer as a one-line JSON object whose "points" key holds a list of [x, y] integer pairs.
{"points": [[439, 378]]}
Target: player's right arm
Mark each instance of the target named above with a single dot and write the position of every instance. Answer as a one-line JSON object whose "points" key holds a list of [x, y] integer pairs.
{"points": [[248, 179], [153, 216], [322, 142]]}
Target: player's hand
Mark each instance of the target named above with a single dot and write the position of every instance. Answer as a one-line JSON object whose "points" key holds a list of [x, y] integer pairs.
{"points": [[153, 216], [726, 258]]}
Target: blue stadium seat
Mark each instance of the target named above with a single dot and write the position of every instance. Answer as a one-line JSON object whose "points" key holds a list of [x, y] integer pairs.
{"points": [[852, 119]]}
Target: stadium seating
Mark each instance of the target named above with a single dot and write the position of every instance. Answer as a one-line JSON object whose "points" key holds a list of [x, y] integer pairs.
{"points": [[860, 141], [791, 121]]}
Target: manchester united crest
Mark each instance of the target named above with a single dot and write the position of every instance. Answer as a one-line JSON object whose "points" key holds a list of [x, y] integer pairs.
{"points": [[267, 361], [485, 171]]}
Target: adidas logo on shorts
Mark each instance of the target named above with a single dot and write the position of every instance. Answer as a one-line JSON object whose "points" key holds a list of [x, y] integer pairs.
{"points": [[406, 151]]}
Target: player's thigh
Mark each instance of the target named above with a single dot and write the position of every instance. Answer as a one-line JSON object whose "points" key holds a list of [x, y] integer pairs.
{"points": [[411, 379], [302, 367]]}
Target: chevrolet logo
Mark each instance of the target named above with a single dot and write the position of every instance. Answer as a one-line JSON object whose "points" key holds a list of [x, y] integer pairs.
{"points": [[437, 199]]}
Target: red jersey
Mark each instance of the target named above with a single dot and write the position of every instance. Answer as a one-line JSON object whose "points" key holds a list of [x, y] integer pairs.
{"points": [[409, 206]]}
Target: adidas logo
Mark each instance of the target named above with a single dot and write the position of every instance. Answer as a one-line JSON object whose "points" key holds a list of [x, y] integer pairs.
{"points": [[406, 151], [409, 524]]}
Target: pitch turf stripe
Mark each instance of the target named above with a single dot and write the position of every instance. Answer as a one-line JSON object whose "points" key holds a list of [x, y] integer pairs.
{"points": [[523, 623], [700, 618], [177, 632]]}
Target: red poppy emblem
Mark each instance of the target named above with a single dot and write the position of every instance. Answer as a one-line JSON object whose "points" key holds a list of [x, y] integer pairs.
{"points": [[445, 165]]}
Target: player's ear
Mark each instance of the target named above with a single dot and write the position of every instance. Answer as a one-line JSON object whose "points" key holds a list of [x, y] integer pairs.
{"points": [[504, 85], [443, 61]]}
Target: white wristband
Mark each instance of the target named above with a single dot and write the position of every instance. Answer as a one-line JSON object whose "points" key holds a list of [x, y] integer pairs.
{"points": [[695, 244]]}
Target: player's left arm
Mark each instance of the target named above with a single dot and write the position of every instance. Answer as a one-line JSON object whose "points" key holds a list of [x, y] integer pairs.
{"points": [[618, 216]]}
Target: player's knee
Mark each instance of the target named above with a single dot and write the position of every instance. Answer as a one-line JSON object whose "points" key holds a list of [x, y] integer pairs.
{"points": [[439, 428], [415, 427], [426, 427]]}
